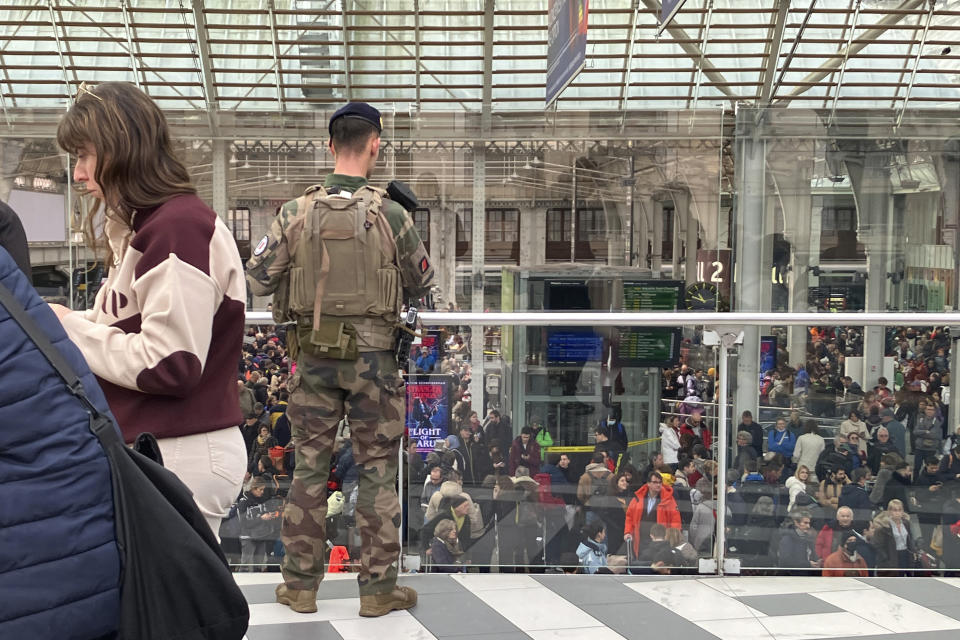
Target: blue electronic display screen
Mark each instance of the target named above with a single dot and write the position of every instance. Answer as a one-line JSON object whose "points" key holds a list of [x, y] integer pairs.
{"points": [[574, 346]]}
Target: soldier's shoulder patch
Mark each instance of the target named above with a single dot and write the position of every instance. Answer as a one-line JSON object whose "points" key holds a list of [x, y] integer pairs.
{"points": [[262, 245], [424, 264]]}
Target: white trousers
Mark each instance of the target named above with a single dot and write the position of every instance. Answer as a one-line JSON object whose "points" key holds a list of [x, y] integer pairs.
{"points": [[212, 465]]}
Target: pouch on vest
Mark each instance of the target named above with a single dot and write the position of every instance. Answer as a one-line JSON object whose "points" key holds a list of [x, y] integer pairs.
{"points": [[334, 340], [281, 300]]}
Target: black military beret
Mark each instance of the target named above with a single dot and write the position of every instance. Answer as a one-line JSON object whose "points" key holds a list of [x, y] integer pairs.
{"points": [[360, 110]]}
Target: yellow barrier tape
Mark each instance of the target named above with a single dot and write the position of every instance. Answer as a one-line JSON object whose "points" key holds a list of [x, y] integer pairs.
{"points": [[588, 449]]}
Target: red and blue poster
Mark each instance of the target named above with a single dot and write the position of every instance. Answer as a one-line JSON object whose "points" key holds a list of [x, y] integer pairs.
{"points": [[428, 410], [768, 353], [566, 44]]}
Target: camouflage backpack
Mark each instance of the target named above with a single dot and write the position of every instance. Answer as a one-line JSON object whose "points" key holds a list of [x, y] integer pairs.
{"points": [[344, 287]]}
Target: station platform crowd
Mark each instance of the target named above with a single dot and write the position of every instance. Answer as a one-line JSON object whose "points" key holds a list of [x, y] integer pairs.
{"points": [[828, 479]]}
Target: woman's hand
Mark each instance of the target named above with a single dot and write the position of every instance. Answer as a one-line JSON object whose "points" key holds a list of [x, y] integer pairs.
{"points": [[61, 311]]}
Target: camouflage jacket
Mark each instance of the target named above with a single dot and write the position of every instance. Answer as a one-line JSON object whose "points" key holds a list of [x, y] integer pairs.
{"points": [[272, 256]]}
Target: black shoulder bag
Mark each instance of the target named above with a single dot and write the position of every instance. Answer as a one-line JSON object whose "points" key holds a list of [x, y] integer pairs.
{"points": [[175, 580]]}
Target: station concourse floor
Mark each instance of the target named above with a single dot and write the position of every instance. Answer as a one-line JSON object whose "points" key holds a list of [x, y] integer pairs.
{"points": [[556, 606]]}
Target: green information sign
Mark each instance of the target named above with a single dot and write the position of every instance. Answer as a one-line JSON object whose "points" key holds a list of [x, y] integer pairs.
{"points": [[649, 346], [648, 296]]}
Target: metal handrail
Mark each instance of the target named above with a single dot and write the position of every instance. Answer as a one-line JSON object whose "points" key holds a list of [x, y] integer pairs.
{"points": [[684, 318], [679, 318]]}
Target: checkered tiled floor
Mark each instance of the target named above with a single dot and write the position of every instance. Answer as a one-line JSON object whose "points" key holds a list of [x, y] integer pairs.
{"points": [[508, 607]]}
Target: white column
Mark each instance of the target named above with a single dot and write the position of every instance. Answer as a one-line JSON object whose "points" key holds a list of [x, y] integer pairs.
{"points": [[752, 275], [677, 240], [791, 177], [478, 238], [436, 230], [220, 162], [538, 218], [449, 243], [616, 214], [869, 175], [641, 231], [656, 250], [528, 249], [693, 234]]}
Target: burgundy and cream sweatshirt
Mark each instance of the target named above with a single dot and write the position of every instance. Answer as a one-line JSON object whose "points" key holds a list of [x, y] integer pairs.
{"points": [[165, 333]]}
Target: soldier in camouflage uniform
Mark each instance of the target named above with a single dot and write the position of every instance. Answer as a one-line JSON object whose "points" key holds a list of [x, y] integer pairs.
{"points": [[353, 377]]}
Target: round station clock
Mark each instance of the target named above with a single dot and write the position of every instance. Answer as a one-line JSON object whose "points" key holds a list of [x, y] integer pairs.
{"points": [[702, 296]]}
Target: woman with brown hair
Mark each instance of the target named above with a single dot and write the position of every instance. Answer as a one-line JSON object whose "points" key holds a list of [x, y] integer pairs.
{"points": [[165, 333]]}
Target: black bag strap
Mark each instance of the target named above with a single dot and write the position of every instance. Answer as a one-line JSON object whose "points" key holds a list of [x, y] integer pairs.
{"points": [[43, 344]]}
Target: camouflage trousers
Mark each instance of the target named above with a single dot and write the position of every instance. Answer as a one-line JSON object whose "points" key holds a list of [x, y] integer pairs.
{"points": [[369, 392]]}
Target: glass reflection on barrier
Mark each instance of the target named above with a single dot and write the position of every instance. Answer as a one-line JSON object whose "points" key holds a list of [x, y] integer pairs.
{"points": [[556, 472], [846, 478], [859, 483]]}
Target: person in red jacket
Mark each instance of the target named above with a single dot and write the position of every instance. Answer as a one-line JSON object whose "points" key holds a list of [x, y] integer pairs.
{"points": [[833, 534], [525, 452], [845, 561], [652, 503], [696, 427]]}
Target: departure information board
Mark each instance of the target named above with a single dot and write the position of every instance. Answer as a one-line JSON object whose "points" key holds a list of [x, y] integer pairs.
{"points": [[572, 347], [649, 346], [657, 295]]}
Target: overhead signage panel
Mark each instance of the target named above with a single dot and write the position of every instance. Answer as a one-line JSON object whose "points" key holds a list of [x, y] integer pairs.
{"points": [[668, 9], [566, 44]]}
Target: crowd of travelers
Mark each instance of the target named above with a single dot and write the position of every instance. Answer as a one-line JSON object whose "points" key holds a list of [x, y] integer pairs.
{"points": [[873, 489]]}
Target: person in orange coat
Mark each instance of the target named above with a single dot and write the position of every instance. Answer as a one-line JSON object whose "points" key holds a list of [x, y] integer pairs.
{"points": [[845, 561], [652, 503]]}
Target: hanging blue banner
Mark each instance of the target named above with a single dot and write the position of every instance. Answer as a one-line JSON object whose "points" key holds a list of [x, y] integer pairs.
{"points": [[668, 9], [566, 44]]}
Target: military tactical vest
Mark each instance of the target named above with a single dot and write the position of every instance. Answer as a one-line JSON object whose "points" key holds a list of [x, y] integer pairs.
{"points": [[345, 289]]}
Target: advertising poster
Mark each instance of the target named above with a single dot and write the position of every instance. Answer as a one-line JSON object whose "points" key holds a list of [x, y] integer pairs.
{"points": [[428, 411], [768, 353], [566, 44]]}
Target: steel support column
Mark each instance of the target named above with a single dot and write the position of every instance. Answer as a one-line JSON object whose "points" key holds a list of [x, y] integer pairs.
{"points": [[220, 164], [573, 211], [138, 78], [752, 274], [692, 239], [277, 69], [916, 64], [628, 64], [656, 249], [676, 239], [55, 27], [773, 47], [869, 171], [478, 238], [347, 83], [206, 66], [641, 232]]}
